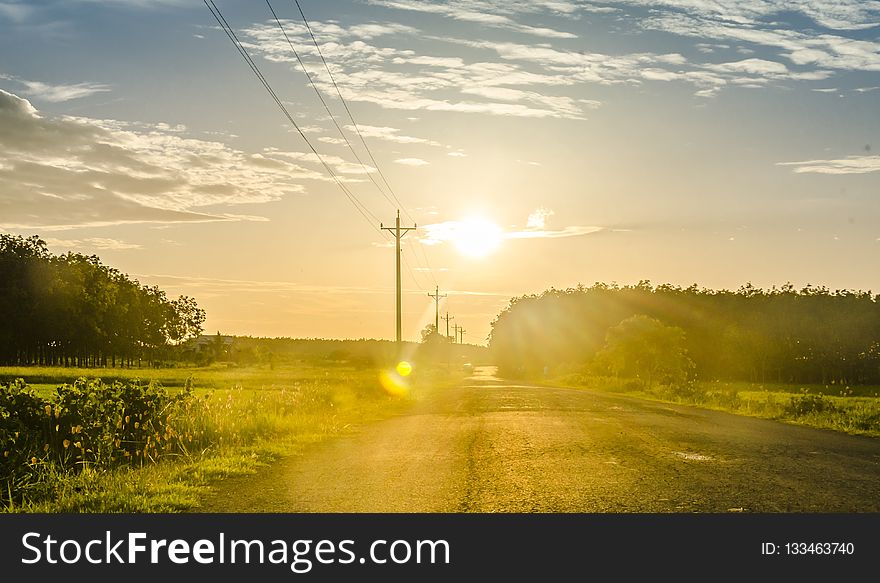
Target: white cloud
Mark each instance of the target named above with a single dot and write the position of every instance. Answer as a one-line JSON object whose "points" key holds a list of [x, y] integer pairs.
{"points": [[538, 218], [57, 93], [411, 161], [401, 79], [64, 172], [848, 165], [329, 140], [801, 47], [389, 134], [451, 231], [487, 13], [92, 243], [833, 14], [16, 12]]}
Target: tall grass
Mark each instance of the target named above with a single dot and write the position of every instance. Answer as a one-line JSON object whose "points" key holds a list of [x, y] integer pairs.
{"points": [[134, 446]]}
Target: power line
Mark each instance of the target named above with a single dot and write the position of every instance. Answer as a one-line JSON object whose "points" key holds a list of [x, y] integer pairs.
{"points": [[436, 296], [230, 33], [360, 135], [348, 111], [327, 108]]}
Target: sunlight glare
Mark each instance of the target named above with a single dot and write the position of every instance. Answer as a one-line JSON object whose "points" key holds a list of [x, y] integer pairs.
{"points": [[477, 237]]}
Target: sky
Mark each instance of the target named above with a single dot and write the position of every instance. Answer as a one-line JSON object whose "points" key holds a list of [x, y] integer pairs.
{"points": [[534, 145]]}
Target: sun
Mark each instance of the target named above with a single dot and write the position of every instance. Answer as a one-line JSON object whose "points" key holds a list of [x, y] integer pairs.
{"points": [[476, 237]]}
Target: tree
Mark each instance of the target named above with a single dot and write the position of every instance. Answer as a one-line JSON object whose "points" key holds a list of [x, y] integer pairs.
{"points": [[644, 348]]}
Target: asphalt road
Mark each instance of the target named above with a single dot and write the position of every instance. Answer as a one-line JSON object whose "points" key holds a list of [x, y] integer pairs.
{"points": [[493, 446]]}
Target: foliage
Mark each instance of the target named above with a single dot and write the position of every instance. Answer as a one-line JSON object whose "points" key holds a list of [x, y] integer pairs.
{"points": [[72, 309], [807, 404], [812, 335], [644, 348]]}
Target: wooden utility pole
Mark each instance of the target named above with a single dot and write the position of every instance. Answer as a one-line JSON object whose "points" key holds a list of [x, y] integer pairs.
{"points": [[454, 333], [461, 332], [398, 233], [436, 295], [447, 317]]}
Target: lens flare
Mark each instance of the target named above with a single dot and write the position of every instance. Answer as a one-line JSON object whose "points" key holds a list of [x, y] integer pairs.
{"points": [[395, 381]]}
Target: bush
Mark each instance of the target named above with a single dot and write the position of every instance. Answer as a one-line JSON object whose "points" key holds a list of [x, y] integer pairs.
{"points": [[88, 423], [806, 404]]}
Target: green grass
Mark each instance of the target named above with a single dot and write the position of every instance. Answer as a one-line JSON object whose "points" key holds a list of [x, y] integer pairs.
{"points": [[259, 414]]}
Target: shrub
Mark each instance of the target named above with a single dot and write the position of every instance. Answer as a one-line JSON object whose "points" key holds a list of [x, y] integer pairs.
{"points": [[806, 404]]}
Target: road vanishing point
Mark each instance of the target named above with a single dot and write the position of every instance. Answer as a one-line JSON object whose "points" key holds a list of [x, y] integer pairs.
{"points": [[490, 445]]}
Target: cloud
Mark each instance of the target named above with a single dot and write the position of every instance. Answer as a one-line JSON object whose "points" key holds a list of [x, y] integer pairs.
{"points": [[389, 134], [832, 14], [803, 47], [572, 231], [92, 243], [16, 12], [401, 79], [66, 172], [538, 218], [848, 165], [57, 93], [451, 231], [411, 162], [487, 13]]}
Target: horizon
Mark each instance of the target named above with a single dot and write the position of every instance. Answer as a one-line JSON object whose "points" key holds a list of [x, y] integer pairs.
{"points": [[536, 145]]}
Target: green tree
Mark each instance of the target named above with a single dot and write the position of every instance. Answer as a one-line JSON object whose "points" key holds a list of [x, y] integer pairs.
{"points": [[644, 348]]}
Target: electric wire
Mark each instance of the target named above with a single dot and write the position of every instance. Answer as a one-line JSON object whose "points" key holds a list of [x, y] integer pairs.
{"points": [[354, 124], [230, 33]]}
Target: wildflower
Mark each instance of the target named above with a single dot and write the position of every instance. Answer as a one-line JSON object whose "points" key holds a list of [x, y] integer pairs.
{"points": [[136, 424], [66, 443], [33, 460]]}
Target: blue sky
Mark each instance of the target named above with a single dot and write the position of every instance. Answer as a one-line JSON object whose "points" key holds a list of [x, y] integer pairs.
{"points": [[679, 141]]}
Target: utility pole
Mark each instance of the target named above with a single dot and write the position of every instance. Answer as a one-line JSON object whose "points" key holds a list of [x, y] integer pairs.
{"points": [[398, 233], [454, 333], [461, 332], [436, 295], [447, 317]]}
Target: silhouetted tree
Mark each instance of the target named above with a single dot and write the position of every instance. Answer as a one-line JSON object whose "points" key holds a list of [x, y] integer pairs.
{"points": [[71, 309], [812, 335]]}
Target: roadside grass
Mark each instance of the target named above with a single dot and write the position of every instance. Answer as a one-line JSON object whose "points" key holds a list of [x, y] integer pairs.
{"points": [[853, 410], [243, 419]]}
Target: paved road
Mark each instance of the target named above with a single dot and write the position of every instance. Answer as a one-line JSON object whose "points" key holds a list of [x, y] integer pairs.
{"points": [[493, 446]]}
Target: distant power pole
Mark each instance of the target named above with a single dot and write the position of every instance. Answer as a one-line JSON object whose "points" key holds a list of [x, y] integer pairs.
{"points": [[436, 295], [447, 317], [455, 333], [398, 233], [461, 332]]}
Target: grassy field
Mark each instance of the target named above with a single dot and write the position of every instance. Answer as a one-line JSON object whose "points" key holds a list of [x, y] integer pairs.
{"points": [[854, 410], [236, 420]]}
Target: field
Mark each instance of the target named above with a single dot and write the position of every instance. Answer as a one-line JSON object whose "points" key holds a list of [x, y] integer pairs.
{"points": [[154, 440]]}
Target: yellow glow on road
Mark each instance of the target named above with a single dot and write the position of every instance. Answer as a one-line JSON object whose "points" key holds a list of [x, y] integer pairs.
{"points": [[477, 237]]}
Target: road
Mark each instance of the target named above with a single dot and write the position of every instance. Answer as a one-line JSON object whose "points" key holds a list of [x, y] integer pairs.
{"points": [[494, 446]]}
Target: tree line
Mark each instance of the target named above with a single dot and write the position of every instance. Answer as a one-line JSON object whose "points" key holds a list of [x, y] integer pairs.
{"points": [[71, 310], [810, 335]]}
